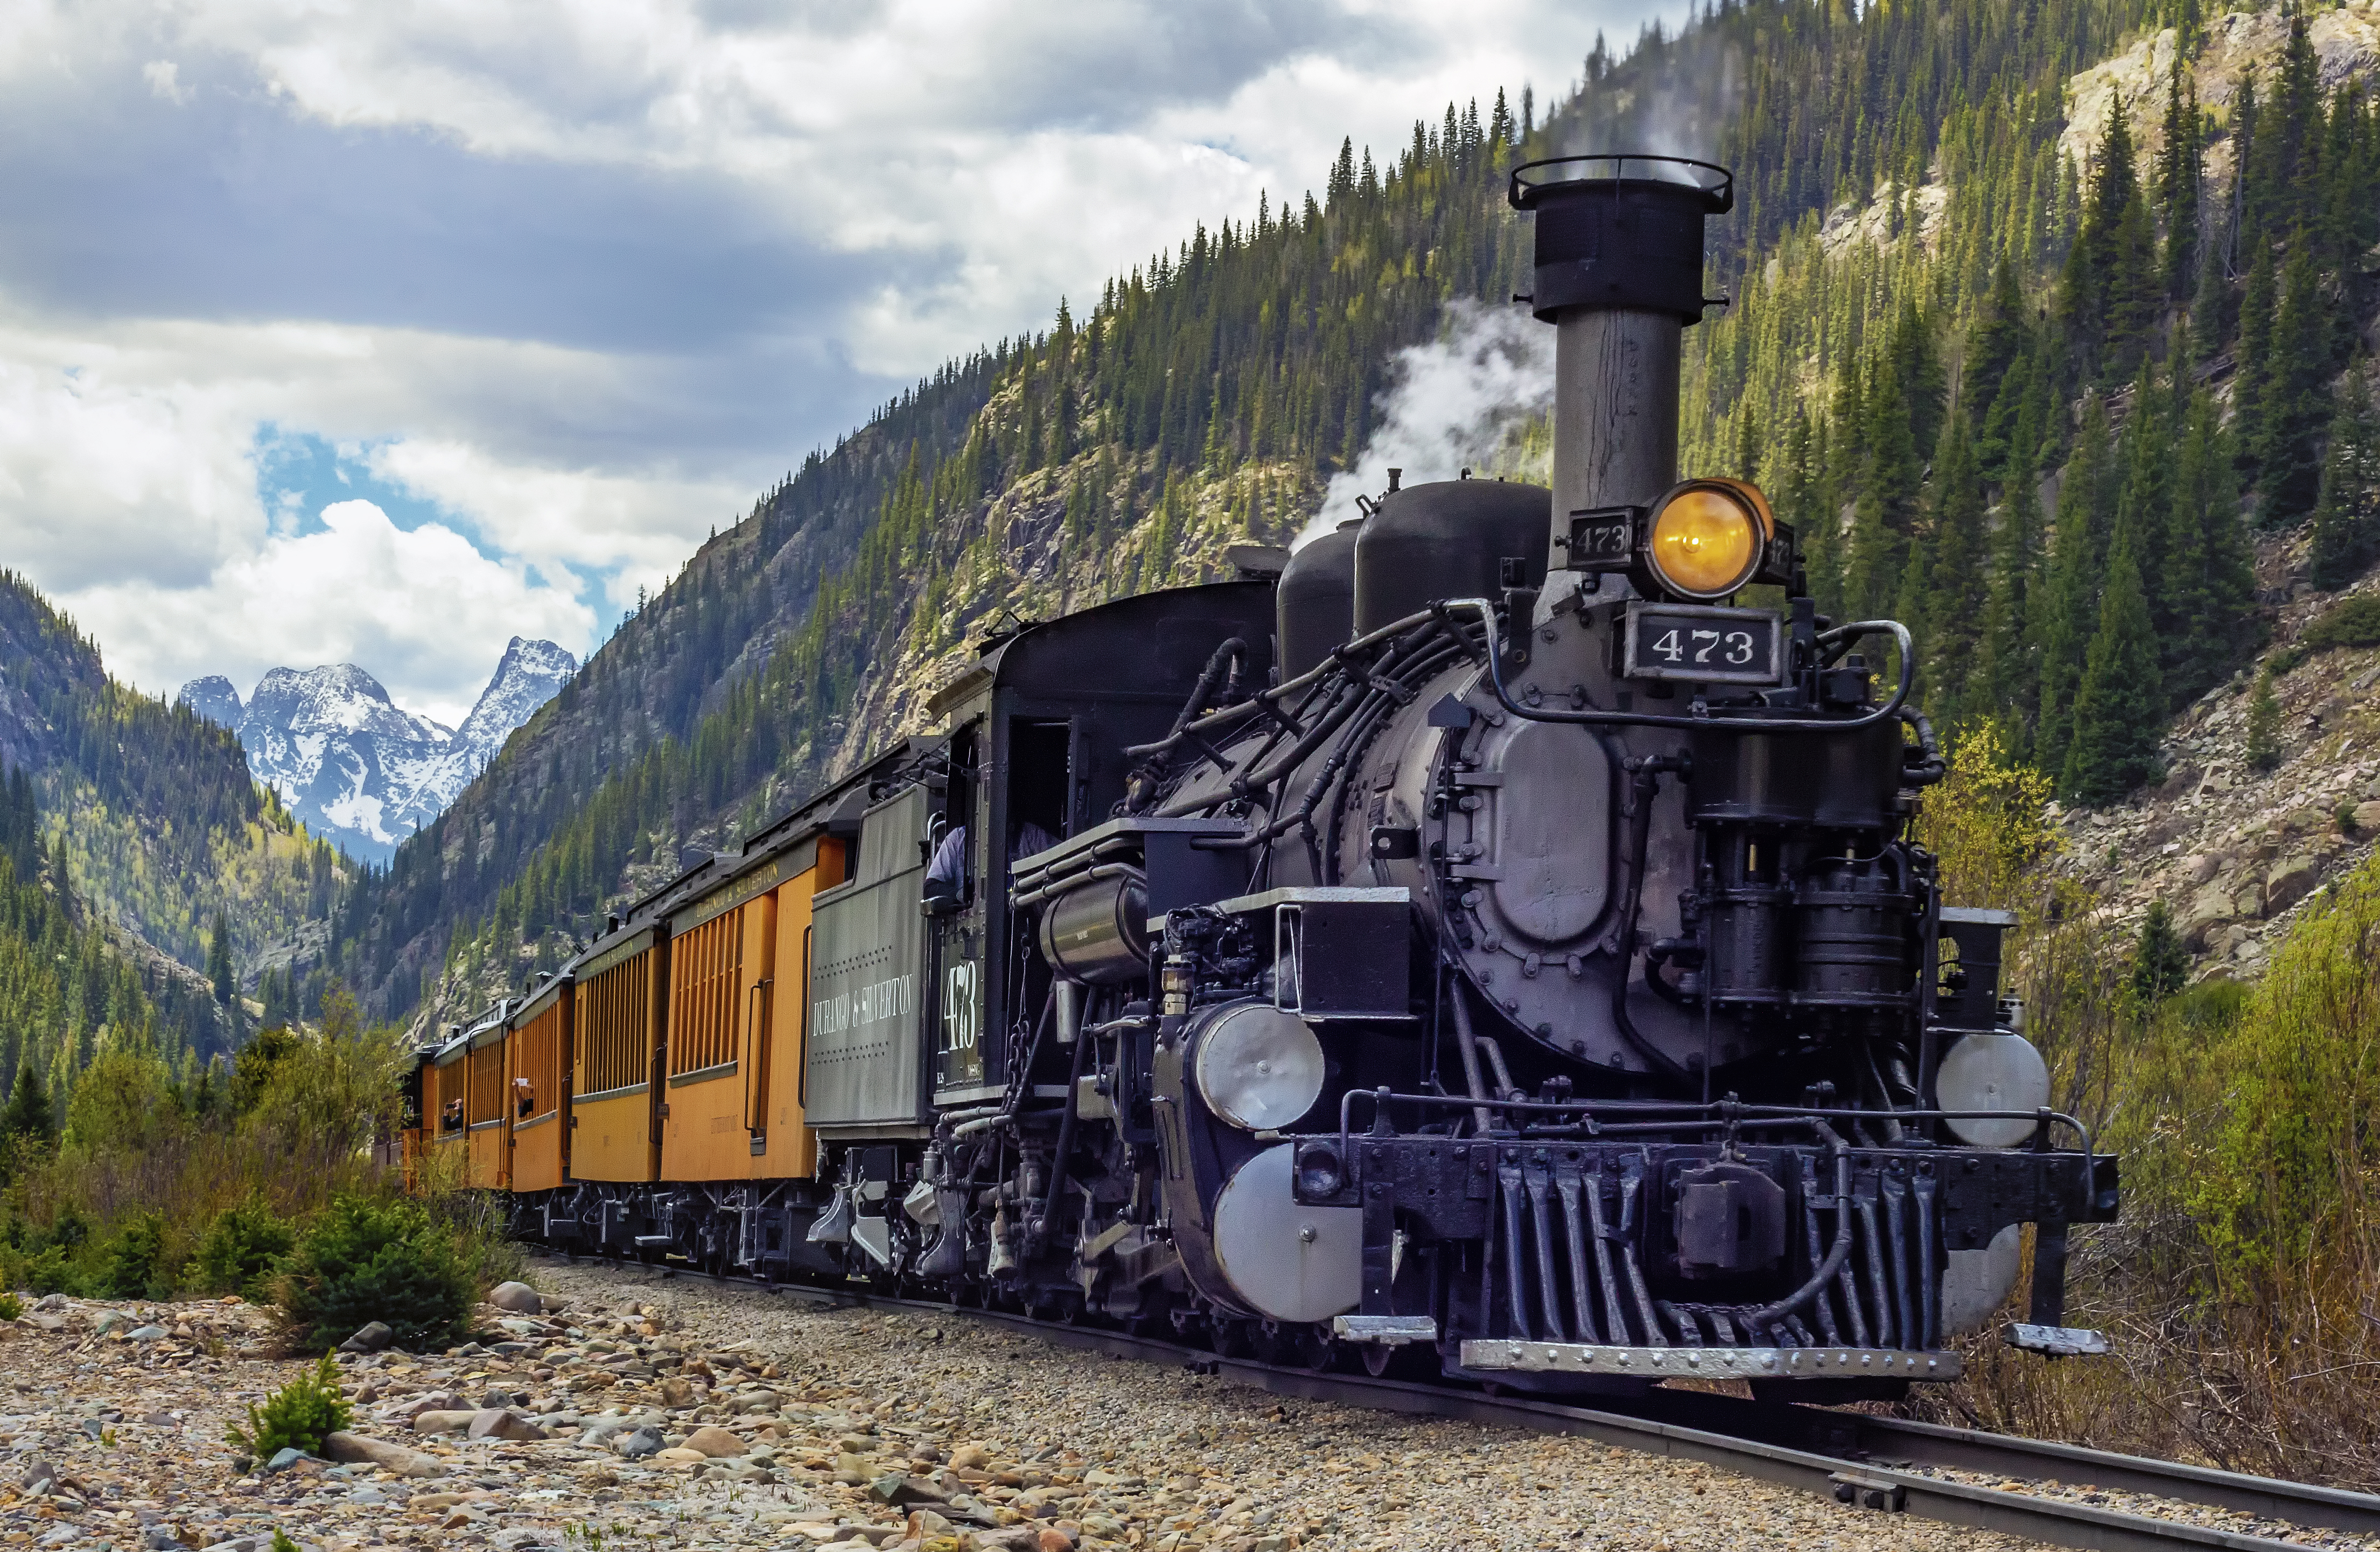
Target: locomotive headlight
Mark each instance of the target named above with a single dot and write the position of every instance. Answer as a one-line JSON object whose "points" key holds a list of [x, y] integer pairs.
{"points": [[1706, 538]]}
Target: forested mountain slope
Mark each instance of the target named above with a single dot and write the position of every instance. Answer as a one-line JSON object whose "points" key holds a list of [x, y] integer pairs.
{"points": [[125, 813], [2013, 384]]}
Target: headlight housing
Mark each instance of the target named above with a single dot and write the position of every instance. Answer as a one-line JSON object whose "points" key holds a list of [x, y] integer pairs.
{"points": [[1706, 538]]}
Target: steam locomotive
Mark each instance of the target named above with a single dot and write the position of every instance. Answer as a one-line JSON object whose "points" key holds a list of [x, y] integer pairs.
{"points": [[1478, 943]]}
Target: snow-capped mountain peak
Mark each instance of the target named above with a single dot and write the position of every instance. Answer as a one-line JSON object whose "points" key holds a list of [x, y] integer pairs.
{"points": [[531, 673], [358, 767]]}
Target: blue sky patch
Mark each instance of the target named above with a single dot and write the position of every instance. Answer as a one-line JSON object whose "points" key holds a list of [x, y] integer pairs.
{"points": [[299, 474]]}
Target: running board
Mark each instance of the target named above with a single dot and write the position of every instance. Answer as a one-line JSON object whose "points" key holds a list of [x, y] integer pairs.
{"points": [[1385, 1330], [2057, 1341], [1710, 1363]]}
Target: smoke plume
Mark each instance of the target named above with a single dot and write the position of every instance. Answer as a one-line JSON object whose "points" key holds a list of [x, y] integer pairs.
{"points": [[1470, 398]]}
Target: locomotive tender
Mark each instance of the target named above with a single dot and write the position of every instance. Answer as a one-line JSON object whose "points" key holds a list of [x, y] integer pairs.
{"points": [[1474, 942]]}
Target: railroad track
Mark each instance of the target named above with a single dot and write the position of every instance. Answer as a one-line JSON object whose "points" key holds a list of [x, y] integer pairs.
{"points": [[1868, 1462]]}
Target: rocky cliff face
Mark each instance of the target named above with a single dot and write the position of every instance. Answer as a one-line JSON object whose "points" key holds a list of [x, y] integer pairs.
{"points": [[2235, 850], [355, 767]]}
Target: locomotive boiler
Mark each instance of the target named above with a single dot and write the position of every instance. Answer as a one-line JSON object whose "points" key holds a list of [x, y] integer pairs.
{"points": [[1489, 940]]}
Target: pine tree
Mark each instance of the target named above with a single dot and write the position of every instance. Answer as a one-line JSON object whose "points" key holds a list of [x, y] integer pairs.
{"points": [[2009, 670], [2144, 475], [1887, 497], [28, 1117], [2160, 962], [219, 971], [2294, 408], [2114, 741], [2071, 601], [2106, 287], [1956, 601], [1801, 502], [1917, 366], [2133, 289], [2346, 513], [1995, 339], [2178, 173], [2248, 391], [2264, 750]]}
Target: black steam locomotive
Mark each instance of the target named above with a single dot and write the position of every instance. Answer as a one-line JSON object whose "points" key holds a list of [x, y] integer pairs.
{"points": [[1479, 942]]}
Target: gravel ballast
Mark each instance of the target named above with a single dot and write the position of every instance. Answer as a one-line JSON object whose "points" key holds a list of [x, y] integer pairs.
{"points": [[641, 1410]]}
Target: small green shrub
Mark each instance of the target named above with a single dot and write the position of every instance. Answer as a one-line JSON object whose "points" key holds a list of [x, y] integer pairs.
{"points": [[46, 1270], [296, 1416], [2353, 622], [364, 1260], [132, 1261], [241, 1250], [2211, 1007], [11, 1307], [44, 1258]]}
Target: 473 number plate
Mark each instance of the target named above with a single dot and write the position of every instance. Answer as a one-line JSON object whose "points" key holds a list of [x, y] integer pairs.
{"points": [[1706, 645]]}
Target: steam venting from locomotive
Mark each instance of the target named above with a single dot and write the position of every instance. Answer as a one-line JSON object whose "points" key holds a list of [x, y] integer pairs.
{"points": [[1491, 941]]}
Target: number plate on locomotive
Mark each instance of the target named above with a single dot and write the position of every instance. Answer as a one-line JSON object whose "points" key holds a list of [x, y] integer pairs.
{"points": [[1707, 646]]}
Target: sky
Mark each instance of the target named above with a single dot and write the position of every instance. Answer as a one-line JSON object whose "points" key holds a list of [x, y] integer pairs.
{"points": [[381, 331]]}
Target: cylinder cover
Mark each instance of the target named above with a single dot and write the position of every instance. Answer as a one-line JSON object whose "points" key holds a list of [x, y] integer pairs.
{"points": [[1285, 1260]]}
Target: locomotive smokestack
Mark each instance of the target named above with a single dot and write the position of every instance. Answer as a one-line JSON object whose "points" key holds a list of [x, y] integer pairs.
{"points": [[1618, 275]]}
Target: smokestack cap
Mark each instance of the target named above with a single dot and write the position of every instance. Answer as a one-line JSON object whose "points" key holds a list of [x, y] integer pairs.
{"points": [[1612, 242]]}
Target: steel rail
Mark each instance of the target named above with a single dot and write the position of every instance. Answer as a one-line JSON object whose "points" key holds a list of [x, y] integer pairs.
{"points": [[1854, 1457]]}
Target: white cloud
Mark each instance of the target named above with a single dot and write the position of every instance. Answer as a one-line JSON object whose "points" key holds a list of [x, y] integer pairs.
{"points": [[422, 609], [164, 80]]}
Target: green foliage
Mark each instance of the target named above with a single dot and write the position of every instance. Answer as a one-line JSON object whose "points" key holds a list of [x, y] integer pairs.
{"points": [[2351, 622], [11, 1307], [2347, 509], [281, 1542], [254, 1066], [219, 972], [296, 1416], [2160, 963], [122, 1102], [2115, 728], [365, 1259], [2263, 749], [2287, 1175], [242, 1251], [28, 1119], [132, 1261], [46, 1258]]}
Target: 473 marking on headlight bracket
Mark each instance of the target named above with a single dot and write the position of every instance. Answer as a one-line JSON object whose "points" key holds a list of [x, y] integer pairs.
{"points": [[1706, 646]]}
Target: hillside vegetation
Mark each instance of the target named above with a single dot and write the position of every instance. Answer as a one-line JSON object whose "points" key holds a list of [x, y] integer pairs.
{"points": [[149, 821]]}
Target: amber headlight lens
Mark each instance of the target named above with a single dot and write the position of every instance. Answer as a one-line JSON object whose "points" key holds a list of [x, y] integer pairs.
{"points": [[1706, 541]]}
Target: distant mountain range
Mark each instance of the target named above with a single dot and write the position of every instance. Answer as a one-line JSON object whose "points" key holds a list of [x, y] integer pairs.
{"points": [[359, 769]]}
